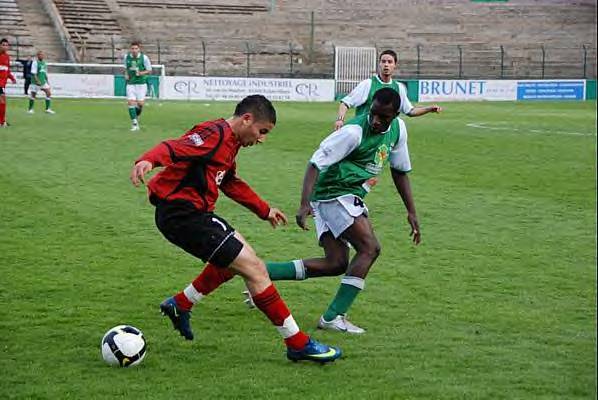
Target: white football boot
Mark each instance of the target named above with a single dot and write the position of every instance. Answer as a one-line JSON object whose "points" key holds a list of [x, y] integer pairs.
{"points": [[50, 111], [341, 324]]}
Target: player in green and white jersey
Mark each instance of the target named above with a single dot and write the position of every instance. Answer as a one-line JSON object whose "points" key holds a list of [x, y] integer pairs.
{"points": [[337, 179], [137, 68], [39, 81], [361, 96]]}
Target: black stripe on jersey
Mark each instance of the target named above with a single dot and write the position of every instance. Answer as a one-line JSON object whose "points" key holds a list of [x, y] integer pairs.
{"points": [[207, 131], [196, 172]]}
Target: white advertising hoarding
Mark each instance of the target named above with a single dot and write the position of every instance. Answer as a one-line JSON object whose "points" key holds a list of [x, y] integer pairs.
{"points": [[465, 90], [71, 85], [222, 88], [82, 85], [531, 89], [15, 88]]}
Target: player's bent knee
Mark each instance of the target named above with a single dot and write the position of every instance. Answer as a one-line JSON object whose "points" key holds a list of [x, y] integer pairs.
{"points": [[372, 249], [250, 266]]}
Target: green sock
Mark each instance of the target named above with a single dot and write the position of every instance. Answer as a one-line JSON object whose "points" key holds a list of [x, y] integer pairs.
{"points": [[132, 113], [48, 101], [350, 288], [289, 270], [31, 103]]}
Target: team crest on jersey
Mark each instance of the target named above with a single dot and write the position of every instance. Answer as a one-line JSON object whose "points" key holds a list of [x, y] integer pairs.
{"points": [[196, 139], [379, 160], [381, 155]]}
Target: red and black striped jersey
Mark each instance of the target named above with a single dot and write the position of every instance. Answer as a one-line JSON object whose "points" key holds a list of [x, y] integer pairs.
{"points": [[199, 163], [5, 73]]}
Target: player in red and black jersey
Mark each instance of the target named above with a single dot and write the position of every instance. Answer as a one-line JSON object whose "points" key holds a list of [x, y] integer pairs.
{"points": [[5, 74], [196, 167]]}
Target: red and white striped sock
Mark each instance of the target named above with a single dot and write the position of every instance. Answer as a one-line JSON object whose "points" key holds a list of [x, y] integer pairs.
{"points": [[270, 303], [210, 278]]}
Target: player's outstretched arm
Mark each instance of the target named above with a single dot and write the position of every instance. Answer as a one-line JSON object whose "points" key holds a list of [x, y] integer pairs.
{"points": [[309, 180], [238, 190], [419, 111], [401, 181]]}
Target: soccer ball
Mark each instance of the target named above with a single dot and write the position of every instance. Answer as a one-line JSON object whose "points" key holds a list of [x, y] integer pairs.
{"points": [[123, 345]]}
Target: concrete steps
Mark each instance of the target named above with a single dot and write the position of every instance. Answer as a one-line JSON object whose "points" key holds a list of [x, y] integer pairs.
{"points": [[43, 34]]}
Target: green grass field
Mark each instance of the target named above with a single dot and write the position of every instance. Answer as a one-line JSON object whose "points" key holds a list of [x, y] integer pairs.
{"points": [[498, 302]]}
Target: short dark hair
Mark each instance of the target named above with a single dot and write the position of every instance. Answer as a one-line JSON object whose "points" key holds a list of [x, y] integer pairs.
{"points": [[390, 53], [3, 40], [260, 107], [136, 43], [387, 96]]}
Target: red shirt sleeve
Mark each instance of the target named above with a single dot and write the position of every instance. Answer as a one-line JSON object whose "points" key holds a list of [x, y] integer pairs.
{"points": [[199, 141], [238, 190]]}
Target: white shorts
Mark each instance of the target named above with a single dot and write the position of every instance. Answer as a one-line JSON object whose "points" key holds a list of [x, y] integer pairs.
{"points": [[136, 92], [337, 215], [33, 88]]}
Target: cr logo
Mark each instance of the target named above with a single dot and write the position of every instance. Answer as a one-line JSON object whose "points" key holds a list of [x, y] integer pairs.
{"points": [[185, 87], [307, 89]]}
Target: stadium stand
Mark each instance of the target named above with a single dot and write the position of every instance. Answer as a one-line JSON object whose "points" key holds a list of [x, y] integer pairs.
{"points": [[448, 38], [91, 26], [198, 7], [13, 27], [445, 32], [42, 31]]}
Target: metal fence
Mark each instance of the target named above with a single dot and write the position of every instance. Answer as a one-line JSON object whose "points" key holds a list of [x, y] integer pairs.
{"points": [[291, 59]]}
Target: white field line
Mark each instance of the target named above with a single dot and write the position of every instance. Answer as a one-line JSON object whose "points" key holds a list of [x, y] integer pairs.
{"points": [[483, 125]]}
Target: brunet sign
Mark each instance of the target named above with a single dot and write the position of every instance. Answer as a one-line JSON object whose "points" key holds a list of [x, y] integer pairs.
{"points": [[460, 90]]}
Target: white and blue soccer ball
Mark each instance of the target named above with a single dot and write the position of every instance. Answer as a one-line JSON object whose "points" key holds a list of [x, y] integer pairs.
{"points": [[124, 345]]}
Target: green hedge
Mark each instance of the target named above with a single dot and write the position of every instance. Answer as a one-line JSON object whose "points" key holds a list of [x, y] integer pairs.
{"points": [[590, 90]]}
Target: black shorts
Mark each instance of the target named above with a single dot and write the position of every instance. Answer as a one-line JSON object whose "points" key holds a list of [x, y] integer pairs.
{"points": [[201, 234], [1, 90]]}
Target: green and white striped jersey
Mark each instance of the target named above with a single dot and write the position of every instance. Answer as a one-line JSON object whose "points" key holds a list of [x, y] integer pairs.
{"points": [[363, 94], [135, 64], [351, 156], [40, 68]]}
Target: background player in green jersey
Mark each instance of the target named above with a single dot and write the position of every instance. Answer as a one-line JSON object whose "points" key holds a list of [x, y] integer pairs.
{"points": [[335, 184], [39, 81], [137, 69], [361, 97]]}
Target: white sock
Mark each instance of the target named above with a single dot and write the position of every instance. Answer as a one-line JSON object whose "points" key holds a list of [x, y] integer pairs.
{"points": [[289, 327], [192, 294], [353, 281], [299, 270]]}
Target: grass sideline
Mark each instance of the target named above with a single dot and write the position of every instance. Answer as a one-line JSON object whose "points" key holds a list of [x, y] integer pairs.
{"points": [[497, 303]]}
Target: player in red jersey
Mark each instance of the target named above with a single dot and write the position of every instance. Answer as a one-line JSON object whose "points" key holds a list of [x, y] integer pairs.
{"points": [[196, 167], [5, 74]]}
